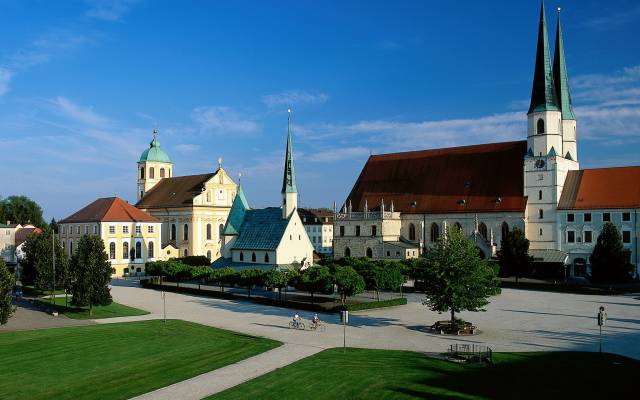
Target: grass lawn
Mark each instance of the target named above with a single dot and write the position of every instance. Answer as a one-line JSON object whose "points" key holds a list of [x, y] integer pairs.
{"points": [[115, 361], [110, 311], [387, 374]]}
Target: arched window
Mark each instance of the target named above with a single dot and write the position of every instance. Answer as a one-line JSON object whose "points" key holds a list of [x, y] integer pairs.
{"points": [[369, 252], [125, 250], [266, 257], [241, 256], [540, 126], [150, 250], [435, 232], [208, 231], [209, 254], [70, 247], [152, 173], [540, 213], [504, 230], [138, 250], [539, 194], [458, 226], [412, 232], [173, 232], [161, 172], [186, 253], [253, 257], [347, 252], [141, 172], [185, 232], [112, 250], [482, 229]]}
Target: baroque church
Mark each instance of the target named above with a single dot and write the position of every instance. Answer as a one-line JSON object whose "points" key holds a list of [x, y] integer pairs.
{"points": [[193, 209], [402, 202]]}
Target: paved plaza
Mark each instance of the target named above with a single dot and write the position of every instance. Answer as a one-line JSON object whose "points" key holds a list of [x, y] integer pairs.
{"points": [[516, 320]]}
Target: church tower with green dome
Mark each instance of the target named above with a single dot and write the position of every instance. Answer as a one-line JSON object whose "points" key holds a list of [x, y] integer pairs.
{"points": [[154, 165]]}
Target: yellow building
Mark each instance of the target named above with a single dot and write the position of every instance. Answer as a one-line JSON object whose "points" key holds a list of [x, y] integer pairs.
{"points": [[193, 209], [131, 237]]}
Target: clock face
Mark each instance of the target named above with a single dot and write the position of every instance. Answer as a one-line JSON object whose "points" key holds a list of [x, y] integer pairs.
{"points": [[540, 163]]}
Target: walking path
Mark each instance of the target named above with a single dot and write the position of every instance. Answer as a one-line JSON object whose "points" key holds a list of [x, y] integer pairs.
{"points": [[227, 377], [516, 320]]}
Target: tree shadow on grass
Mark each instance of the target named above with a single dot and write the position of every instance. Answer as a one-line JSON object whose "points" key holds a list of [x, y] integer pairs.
{"points": [[531, 376]]}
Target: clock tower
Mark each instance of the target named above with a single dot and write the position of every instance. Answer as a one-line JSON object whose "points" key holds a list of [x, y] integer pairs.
{"points": [[551, 142]]}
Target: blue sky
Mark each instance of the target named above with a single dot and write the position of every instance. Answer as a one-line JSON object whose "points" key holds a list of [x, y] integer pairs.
{"points": [[83, 84]]}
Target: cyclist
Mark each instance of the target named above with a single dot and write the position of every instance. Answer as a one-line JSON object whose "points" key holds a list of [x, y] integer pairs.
{"points": [[296, 320], [315, 320]]}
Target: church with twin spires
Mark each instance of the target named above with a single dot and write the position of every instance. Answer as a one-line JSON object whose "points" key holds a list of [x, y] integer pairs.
{"points": [[401, 203]]}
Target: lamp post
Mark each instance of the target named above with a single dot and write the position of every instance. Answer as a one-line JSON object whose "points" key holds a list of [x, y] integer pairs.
{"points": [[602, 320], [53, 254]]}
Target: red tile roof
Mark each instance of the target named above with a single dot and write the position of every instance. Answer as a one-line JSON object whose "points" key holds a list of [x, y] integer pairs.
{"points": [[601, 188], [109, 209], [23, 233], [479, 178]]}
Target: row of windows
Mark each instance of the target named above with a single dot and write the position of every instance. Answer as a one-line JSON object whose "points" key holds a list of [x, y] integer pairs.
{"points": [[587, 237], [152, 173], [220, 195], [315, 219], [133, 253], [185, 231], [317, 228], [606, 217], [64, 228], [254, 257], [125, 229], [434, 230]]}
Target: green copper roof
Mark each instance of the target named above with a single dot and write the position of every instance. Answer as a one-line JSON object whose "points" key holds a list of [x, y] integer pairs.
{"points": [[154, 152], [543, 95], [552, 152], [289, 178], [236, 214], [262, 229], [529, 152], [560, 76], [568, 156]]}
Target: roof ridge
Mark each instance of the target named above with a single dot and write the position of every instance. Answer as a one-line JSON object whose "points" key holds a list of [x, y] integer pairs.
{"points": [[463, 147]]}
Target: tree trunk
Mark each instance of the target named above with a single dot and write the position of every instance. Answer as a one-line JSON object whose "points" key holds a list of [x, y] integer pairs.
{"points": [[377, 295], [453, 319], [91, 309], [249, 291], [279, 294]]}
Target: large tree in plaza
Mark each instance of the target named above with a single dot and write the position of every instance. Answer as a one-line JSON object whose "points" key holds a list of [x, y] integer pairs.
{"points": [[21, 210], [348, 281], [457, 279], [513, 256], [91, 273], [6, 286], [610, 260], [314, 279]]}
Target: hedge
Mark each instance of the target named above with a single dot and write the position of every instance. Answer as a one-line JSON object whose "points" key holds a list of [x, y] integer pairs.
{"points": [[374, 304], [296, 305]]}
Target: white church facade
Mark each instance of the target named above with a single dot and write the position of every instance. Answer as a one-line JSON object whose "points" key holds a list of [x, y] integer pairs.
{"points": [[402, 202]]}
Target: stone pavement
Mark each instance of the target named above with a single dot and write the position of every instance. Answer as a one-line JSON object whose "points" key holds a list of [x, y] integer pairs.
{"points": [[31, 316], [516, 320]]}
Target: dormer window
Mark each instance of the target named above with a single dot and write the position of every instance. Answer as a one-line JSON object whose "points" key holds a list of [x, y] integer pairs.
{"points": [[540, 126]]}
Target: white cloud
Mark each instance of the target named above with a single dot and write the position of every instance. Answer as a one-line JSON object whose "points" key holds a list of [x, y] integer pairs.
{"points": [[108, 10], [5, 78], [294, 97], [79, 114], [186, 148], [220, 120], [614, 19], [332, 155]]}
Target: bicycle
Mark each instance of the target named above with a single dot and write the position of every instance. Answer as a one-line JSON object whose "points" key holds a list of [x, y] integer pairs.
{"points": [[296, 325], [319, 327]]}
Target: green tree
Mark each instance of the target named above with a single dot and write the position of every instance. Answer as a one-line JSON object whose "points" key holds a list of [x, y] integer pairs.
{"points": [[37, 265], [275, 279], [249, 278], [201, 273], [53, 225], [348, 281], [224, 275], [314, 279], [457, 278], [395, 275], [91, 272], [6, 286], [21, 210], [610, 260], [513, 256]]}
